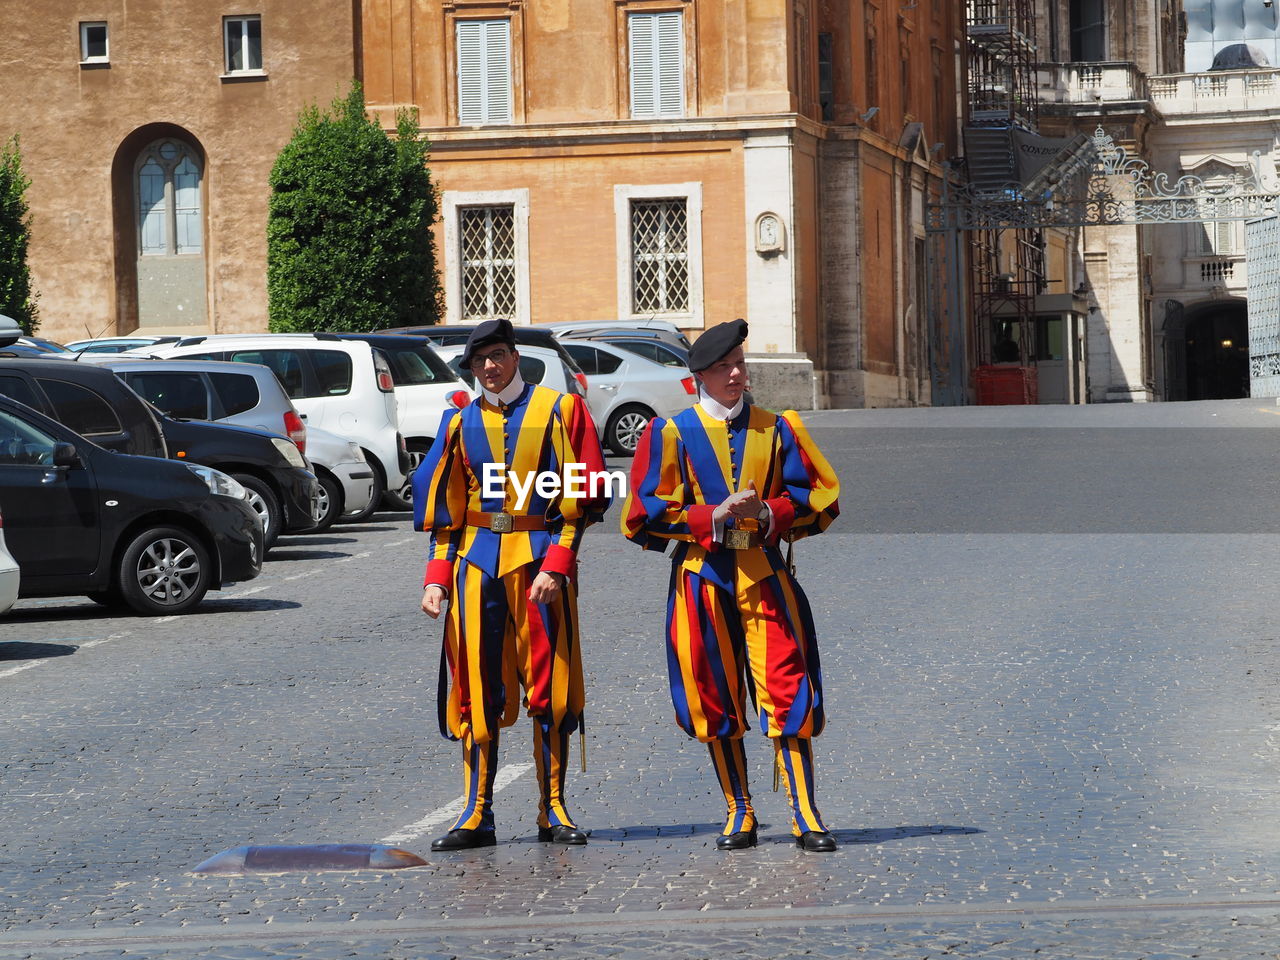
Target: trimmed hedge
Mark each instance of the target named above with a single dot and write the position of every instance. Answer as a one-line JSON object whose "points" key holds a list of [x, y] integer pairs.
{"points": [[349, 243]]}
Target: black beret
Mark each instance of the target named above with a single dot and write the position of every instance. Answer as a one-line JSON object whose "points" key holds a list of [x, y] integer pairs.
{"points": [[715, 343], [487, 332]]}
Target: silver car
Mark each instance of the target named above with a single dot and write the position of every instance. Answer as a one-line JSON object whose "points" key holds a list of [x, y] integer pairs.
{"points": [[250, 395]]}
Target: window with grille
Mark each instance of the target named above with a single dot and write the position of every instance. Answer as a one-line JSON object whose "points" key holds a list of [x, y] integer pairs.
{"points": [[487, 239], [660, 256], [657, 64], [484, 71]]}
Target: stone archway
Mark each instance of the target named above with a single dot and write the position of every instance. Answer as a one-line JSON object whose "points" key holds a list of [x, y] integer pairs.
{"points": [[159, 209], [1215, 351]]}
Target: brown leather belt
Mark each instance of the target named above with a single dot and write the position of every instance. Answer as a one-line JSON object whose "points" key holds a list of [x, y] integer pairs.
{"points": [[505, 522], [735, 539]]}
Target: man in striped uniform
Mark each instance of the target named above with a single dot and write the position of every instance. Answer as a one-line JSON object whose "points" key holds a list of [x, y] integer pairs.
{"points": [[509, 567], [726, 481]]}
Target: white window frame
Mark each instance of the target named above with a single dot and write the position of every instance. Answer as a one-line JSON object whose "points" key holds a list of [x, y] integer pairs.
{"points": [[450, 202], [496, 92], [658, 78], [85, 26], [244, 40], [623, 194]]}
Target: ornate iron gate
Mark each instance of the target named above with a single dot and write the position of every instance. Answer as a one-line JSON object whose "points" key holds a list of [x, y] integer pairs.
{"points": [[1262, 260]]}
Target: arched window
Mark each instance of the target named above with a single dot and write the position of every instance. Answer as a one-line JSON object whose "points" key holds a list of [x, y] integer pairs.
{"points": [[168, 191]]}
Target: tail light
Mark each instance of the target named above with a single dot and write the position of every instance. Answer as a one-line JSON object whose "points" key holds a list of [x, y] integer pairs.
{"points": [[690, 387], [459, 398], [582, 379], [295, 430], [383, 369]]}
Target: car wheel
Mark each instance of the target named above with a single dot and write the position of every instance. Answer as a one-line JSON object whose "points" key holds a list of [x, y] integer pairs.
{"points": [[379, 488], [162, 571], [265, 504], [402, 499], [329, 501], [625, 428]]}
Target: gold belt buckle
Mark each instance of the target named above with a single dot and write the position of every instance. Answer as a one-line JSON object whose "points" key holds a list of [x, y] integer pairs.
{"points": [[502, 522], [736, 539]]}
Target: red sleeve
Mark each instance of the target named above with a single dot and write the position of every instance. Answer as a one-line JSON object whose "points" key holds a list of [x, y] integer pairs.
{"points": [[559, 560], [701, 524], [784, 515], [438, 571]]}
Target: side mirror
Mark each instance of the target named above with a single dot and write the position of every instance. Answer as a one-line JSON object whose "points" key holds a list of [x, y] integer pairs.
{"points": [[10, 331], [65, 455]]}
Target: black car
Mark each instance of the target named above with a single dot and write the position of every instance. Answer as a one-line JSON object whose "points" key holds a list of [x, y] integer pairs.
{"points": [[152, 534], [449, 334], [93, 402]]}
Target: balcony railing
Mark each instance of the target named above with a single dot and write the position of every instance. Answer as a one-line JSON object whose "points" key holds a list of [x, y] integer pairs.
{"points": [[1191, 93], [1090, 82]]}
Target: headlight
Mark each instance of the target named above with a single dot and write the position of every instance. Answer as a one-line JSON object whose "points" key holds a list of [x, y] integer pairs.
{"points": [[289, 450], [218, 482]]}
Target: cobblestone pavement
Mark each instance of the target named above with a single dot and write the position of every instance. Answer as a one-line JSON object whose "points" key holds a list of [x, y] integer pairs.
{"points": [[1061, 743]]}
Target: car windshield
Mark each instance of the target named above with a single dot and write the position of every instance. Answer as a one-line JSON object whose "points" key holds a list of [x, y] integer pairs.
{"points": [[414, 365]]}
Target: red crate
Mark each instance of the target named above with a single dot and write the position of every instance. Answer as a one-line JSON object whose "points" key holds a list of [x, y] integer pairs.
{"points": [[1005, 383]]}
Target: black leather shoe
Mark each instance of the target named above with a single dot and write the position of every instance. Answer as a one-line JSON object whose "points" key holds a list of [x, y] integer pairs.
{"points": [[465, 839], [571, 836], [816, 841], [737, 841]]}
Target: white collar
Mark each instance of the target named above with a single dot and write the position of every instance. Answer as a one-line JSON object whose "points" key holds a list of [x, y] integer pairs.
{"points": [[510, 393], [717, 410]]}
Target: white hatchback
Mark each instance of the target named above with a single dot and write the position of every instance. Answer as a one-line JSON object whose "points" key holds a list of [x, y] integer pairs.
{"points": [[340, 385], [10, 576]]}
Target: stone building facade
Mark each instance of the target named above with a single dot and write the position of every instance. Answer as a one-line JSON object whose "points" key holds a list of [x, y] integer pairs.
{"points": [[696, 160], [148, 131]]}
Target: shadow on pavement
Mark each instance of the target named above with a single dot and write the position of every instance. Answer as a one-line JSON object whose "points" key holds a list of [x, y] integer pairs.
{"points": [[278, 554], [884, 834], [93, 611], [361, 527], [307, 540], [242, 605], [35, 651], [653, 831]]}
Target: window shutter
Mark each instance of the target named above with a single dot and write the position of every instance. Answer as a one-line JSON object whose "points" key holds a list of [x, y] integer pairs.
{"points": [[484, 71], [470, 72], [643, 101], [670, 65], [497, 71]]}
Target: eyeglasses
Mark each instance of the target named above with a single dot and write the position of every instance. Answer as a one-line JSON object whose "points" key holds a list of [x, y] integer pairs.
{"points": [[497, 357]]}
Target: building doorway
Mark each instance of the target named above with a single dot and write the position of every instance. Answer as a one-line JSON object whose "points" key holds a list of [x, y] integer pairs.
{"points": [[1216, 351], [158, 181]]}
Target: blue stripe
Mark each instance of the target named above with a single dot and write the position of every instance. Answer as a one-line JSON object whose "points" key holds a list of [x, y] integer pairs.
{"points": [[702, 456]]}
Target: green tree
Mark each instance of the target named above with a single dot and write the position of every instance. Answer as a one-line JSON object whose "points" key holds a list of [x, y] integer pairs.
{"points": [[16, 297], [349, 244]]}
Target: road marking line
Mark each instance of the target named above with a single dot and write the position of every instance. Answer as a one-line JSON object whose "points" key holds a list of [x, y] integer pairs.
{"points": [[397, 543], [355, 556], [36, 663], [506, 776]]}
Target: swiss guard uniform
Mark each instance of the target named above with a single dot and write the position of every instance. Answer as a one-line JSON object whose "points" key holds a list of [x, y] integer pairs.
{"points": [[734, 607], [486, 551]]}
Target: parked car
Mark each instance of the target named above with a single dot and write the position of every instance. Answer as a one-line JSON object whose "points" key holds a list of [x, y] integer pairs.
{"points": [[663, 329], [537, 365], [457, 333], [151, 534], [652, 348], [249, 395], [93, 402], [10, 575], [424, 383], [43, 343], [627, 391], [116, 344], [340, 385]]}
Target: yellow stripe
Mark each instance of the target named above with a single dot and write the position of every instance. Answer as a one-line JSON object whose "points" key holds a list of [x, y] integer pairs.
{"points": [[754, 630]]}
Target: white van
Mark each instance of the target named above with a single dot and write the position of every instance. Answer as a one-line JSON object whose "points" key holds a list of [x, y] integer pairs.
{"points": [[343, 386]]}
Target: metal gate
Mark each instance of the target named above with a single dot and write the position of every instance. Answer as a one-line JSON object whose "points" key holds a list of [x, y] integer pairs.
{"points": [[1262, 261]]}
